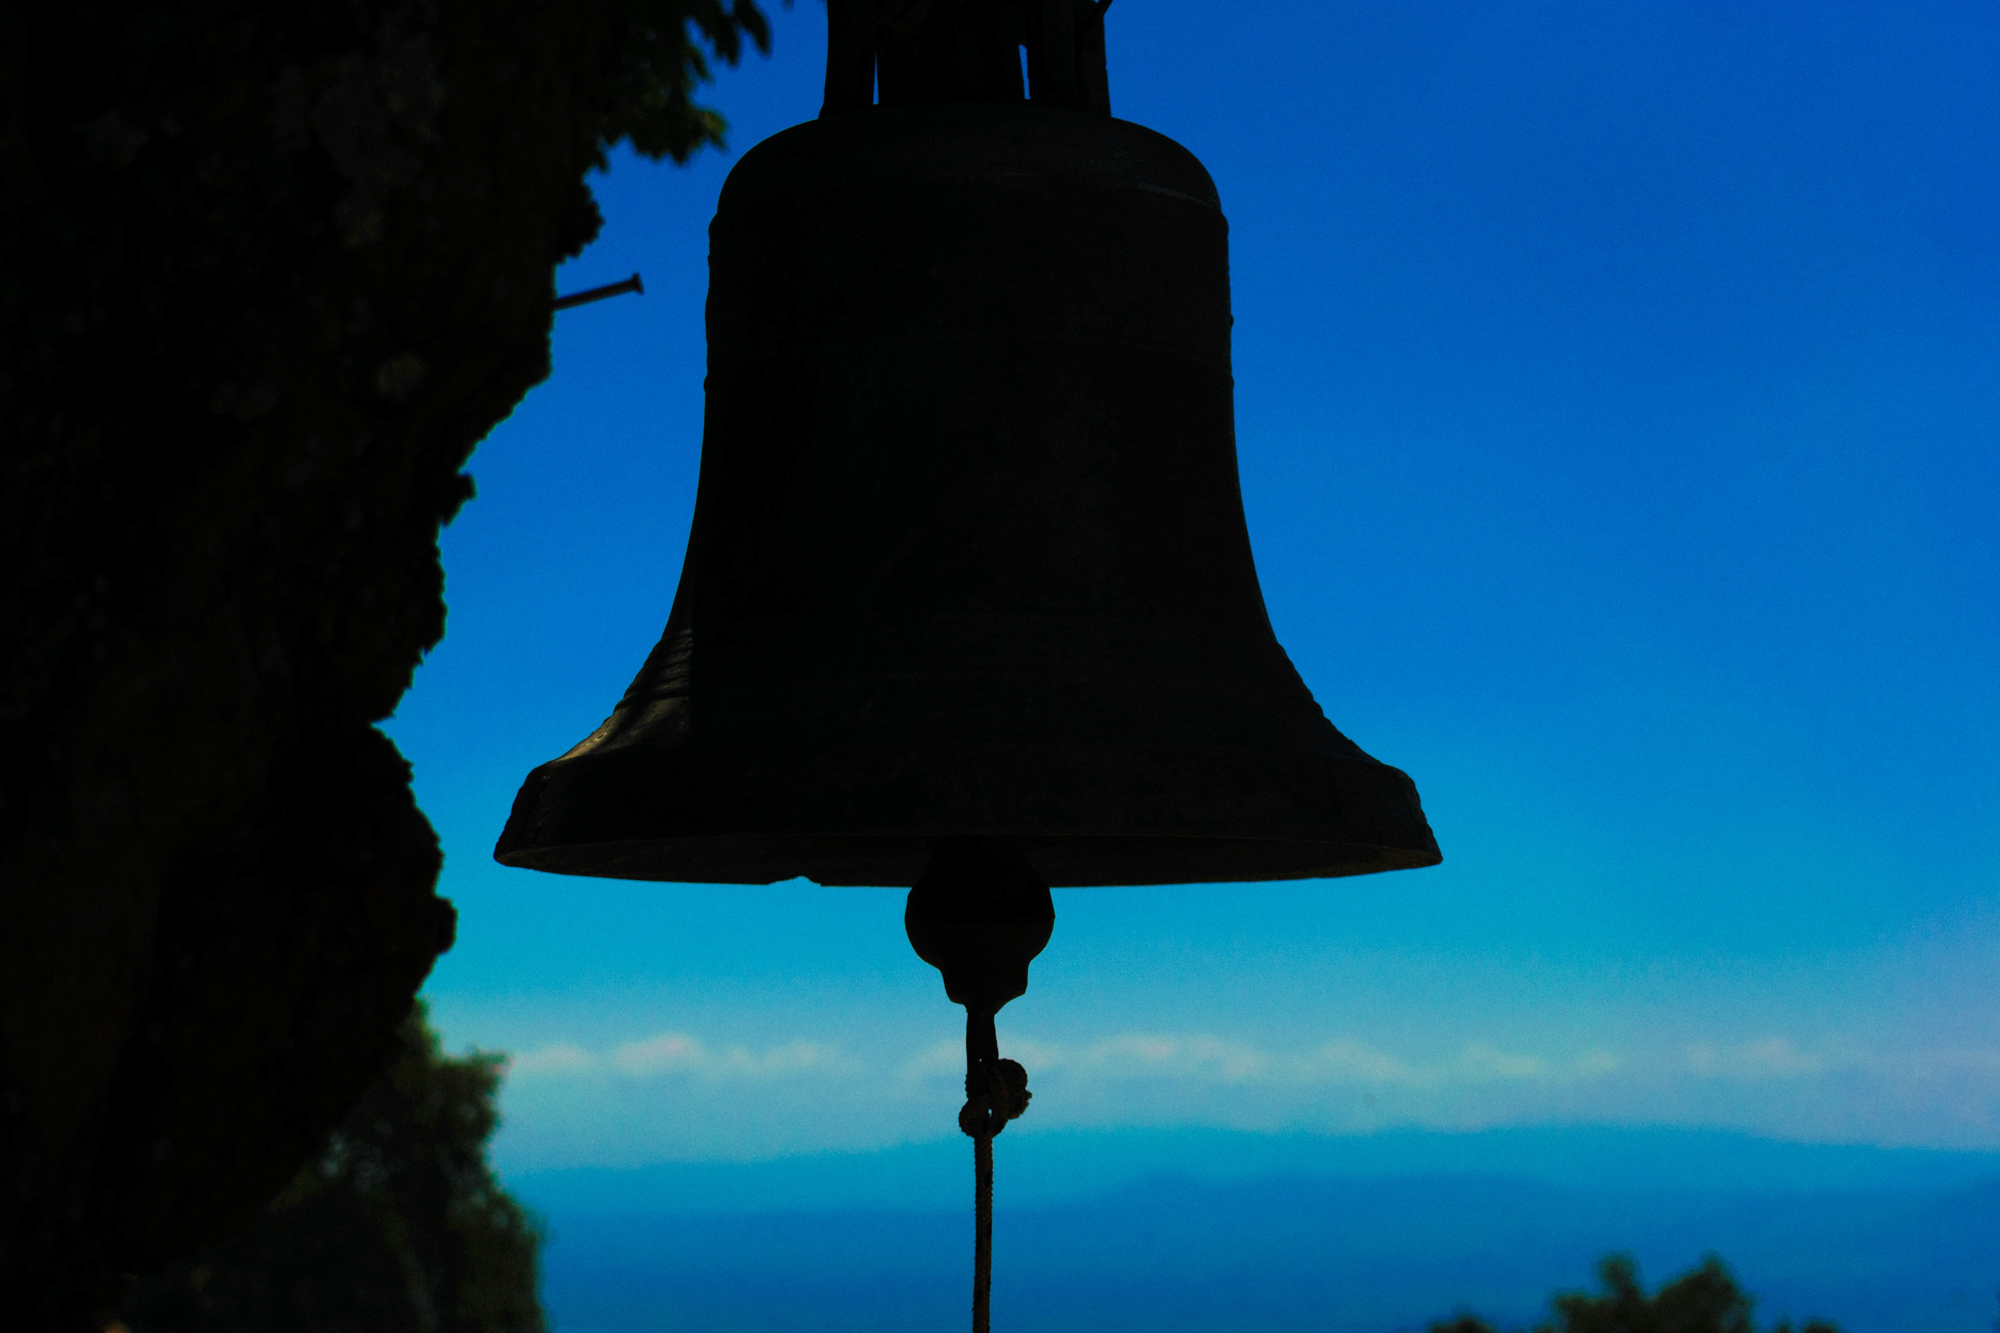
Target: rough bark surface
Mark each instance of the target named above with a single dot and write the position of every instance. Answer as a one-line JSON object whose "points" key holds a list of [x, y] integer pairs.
{"points": [[267, 274]]}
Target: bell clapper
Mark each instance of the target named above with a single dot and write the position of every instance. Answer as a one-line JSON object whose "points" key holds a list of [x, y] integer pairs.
{"points": [[979, 914]]}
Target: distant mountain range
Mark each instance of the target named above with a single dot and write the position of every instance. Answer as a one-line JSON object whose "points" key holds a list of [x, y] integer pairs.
{"points": [[1185, 1230]]}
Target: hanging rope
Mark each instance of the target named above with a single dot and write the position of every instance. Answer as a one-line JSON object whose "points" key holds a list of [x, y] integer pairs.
{"points": [[996, 1091], [979, 913]]}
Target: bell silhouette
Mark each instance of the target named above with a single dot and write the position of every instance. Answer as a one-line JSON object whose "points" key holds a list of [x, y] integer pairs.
{"points": [[968, 558]]}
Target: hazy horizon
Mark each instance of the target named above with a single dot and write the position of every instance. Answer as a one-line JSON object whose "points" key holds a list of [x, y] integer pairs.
{"points": [[1193, 1229]]}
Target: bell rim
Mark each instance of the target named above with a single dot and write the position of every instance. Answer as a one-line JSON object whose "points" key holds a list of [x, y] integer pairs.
{"points": [[1066, 860]]}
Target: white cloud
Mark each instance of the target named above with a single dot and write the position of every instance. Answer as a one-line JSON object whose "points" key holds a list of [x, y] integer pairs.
{"points": [[679, 1053], [1149, 1055], [1121, 1057], [1771, 1057], [1211, 1059], [1349, 1061], [1480, 1061], [562, 1058], [665, 1053], [1344, 1061], [946, 1059], [676, 1094]]}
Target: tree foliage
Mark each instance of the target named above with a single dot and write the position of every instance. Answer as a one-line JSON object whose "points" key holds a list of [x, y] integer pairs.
{"points": [[1705, 1299], [268, 272], [658, 60], [399, 1227]]}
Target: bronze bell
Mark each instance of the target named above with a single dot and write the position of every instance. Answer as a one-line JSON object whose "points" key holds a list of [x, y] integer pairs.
{"points": [[968, 554], [968, 603]]}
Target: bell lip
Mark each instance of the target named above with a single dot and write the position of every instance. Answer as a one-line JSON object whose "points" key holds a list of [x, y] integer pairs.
{"points": [[1331, 812], [895, 859]]}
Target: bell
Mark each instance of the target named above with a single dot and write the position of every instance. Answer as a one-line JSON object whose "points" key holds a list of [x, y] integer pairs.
{"points": [[968, 557], [968, 603]]}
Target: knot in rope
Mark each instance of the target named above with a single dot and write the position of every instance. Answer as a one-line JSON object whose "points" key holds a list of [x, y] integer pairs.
{"points": [[996, 1091]]}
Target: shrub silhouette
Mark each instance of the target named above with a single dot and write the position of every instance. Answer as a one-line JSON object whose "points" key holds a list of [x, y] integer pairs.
{"points": [[399, 1226], [1705, 1299]]}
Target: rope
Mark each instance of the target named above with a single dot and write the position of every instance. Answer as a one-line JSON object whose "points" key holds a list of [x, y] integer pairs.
{"points": [[996, 1091], [982, 1233]]}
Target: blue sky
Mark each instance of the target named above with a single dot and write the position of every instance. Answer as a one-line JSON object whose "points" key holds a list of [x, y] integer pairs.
{"points": [[1618, 393]]}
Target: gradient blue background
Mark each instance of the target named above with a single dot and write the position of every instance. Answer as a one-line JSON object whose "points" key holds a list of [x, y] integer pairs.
{"points": [[1618, 388]]}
